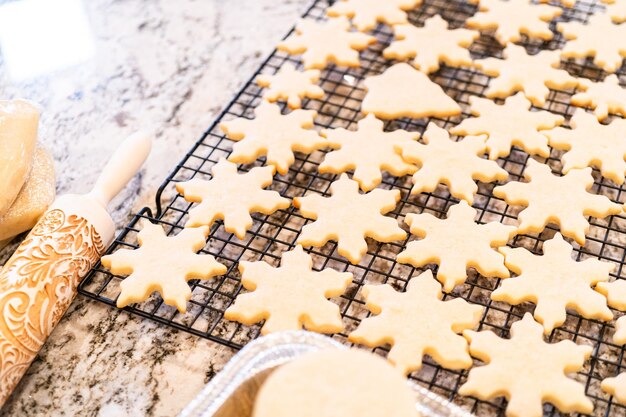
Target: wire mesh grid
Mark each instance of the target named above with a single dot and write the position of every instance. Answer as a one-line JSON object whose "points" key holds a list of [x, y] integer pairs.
{"points": [[274, 234]]}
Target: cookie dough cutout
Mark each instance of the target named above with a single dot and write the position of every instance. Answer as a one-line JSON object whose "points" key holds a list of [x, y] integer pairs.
{"points": [[616, 9], [616, 387], [456, 244], [513, 18], [164, 264], [291, 296], [337, 382], [431, 44], [603, 97], [527, 370], [403, 91], [591, 144], [368, 151], [532, 74], [615, 293], [564, 201], [365, 14], [555, 282], [507, 125], [348, 217], [275, 135], [417, 323], [231, 196], [455, 164], [321, 43], [291, 85]]}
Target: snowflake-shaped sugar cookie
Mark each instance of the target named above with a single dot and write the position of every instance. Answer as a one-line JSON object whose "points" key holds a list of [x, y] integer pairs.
{"points": [[599, 38], [366, 13], [532, 74], [231, 196], [603, 97], [552, 199], [527, 370], [431, 44], [324, 42], [616, 387], [291, 296], [164, 264], [456, 244], [555, 282], [417, 323], [590, 143], [456, 164], [291, 85], [368, 151], [348, 217], [514, 18], [509, 124], [615, 293], [273, 134], [616, 9]]}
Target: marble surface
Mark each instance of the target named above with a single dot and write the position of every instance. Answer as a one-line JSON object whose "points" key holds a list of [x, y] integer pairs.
{"points": [[166, 66]]}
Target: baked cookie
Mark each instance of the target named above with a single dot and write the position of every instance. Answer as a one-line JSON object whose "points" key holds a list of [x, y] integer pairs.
{"points": [[368, 151], [417, 323], [564, 3], [616, 387], [403, 91], [431, 44], [456, 244], [527, 370], [616, 9], [455, 164], [291, 85], [507, 125], [291, 296], [348, 217], [366, 13], [564, 200], [603, 97], [615, 293]]}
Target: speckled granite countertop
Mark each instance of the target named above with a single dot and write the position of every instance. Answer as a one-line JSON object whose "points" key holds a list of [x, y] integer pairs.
{"points": [[167, 66]]}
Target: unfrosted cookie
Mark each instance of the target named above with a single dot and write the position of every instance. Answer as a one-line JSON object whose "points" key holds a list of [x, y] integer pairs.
{"points": [[291, 85], [321, 43], [590, 143], [403, 91], [455, 164], [164, 264], [532, 74], [616, 9], [616, 387], [615, 293], [368, 151], [431, 44], [507, 125], [565, 3], [291, 296], [554, 282], [348, 217], [273, 134], [456, 244], [366, 13], [603, 97], [552, 199], [417, 323], [527, 370], [231, 196]]}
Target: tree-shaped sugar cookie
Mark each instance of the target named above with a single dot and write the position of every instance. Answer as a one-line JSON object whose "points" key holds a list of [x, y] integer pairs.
{"points": [[231, 196], [532, 74], [513, 18], [615, 293], [564, 200], [590, 143], [366, 13], [164, 264], [455, 164], [616, 9], [291, 85], [348, 217], [273, 134], [555, 282], [324, 42], [368, 151], [403, 91], [456, 244], [291, 296], [616, 387], [527, 370], [603, 97], [417, 323], [507, 125], [431, 44]]}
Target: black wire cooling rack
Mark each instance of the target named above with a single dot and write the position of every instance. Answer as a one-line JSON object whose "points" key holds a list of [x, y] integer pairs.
{"points": [[274, 234]]}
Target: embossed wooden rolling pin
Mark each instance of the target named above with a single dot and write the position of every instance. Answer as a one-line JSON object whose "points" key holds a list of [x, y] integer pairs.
{"points": [[38, 283]]}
